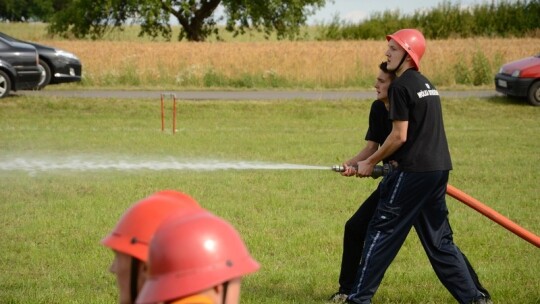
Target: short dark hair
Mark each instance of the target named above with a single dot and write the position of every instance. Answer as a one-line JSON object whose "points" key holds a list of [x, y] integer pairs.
{"points": [[384, 67]]}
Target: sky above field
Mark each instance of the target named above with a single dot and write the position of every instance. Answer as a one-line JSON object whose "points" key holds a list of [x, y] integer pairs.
{"points": [[357, 10]]}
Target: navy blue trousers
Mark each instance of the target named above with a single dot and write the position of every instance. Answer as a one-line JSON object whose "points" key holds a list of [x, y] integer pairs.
{"points": [[353, 241], [410, 199]]}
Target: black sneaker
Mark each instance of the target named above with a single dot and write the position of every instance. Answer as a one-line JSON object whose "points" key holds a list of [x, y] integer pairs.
{"points": [[338, 297]]}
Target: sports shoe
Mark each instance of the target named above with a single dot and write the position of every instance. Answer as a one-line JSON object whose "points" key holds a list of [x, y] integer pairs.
{"points": [[338, 297]]}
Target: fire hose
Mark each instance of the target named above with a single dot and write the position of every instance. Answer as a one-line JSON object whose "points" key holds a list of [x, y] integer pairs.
{"points": [[470, 201]]}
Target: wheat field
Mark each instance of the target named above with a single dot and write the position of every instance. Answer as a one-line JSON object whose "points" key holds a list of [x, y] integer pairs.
{"points": [[324, 64], [123, 59]]}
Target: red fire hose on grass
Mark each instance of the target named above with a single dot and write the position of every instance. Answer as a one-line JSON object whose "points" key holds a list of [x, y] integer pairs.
{"points": [[493, 215]]}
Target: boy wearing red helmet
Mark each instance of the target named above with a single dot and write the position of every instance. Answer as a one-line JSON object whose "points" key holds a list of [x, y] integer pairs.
{"points": [[414, 193], [199, 259], [130, 238]]}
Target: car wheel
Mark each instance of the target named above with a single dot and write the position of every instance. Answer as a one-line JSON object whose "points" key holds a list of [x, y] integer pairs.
{"points": [[534, 94], [5, 84], [45, 77]]}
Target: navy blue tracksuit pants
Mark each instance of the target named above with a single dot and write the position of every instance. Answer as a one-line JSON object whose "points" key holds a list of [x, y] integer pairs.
{"points": [[353, 243], [413, 199]]}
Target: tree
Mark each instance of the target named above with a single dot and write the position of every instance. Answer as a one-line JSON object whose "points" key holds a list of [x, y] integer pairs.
{"points": [[93, 18], [25, 10]]}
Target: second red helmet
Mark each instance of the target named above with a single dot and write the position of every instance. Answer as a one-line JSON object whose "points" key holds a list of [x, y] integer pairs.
{"points": [[191, 254]]}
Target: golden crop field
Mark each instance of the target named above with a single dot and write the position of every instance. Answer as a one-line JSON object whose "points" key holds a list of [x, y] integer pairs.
{"points": [[309, 64], [329, 64]]}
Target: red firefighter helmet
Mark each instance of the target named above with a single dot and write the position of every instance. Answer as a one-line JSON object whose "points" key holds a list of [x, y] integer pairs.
{"points": [[412, 41], [191, 254], [137, 225]]}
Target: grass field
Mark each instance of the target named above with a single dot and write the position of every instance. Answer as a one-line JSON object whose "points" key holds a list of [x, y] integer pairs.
{"points": [[58, 201]]}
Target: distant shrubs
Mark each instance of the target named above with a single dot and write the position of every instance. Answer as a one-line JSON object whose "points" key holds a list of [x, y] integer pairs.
{"points": [[479, 72], [447, 20], [209, 77]]}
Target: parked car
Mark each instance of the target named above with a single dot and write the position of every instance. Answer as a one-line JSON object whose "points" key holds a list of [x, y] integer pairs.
{"points": [[56, 65], [18, 67], [520, 78]]}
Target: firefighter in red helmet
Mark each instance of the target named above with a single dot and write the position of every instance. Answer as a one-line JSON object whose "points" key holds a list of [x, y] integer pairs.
{"points": [[130, 238], [199, 259], [413, 194], [414, 44]]}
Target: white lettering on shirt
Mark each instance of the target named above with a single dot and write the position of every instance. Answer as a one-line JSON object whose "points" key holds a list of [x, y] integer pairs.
{"points": [[424, 93]]}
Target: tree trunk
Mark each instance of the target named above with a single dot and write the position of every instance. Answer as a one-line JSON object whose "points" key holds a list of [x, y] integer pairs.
{"points": [[193, 33], [194, 24]]}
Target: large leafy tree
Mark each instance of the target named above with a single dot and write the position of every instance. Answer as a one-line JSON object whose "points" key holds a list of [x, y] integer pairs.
{"points": [[93, 18], [27, 10]]}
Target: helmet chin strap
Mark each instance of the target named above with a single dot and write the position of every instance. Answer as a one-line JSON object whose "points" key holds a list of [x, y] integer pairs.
{"points": [[225, 287], [134, 279], [400, 63]]}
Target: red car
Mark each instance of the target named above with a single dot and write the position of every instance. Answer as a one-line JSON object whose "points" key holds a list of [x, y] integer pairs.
{"points": [[520, 79]]}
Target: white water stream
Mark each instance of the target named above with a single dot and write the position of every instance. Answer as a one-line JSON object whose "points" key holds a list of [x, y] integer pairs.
{"points": [[36, 164]]}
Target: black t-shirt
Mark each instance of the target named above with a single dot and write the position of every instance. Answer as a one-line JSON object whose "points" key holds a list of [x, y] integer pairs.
{"points": [[379, 124], [414, 99]]}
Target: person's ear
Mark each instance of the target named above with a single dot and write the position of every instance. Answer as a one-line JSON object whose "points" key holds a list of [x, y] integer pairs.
{"points": [[409, 59]]}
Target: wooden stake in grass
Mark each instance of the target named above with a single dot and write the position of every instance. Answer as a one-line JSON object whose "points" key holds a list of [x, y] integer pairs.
{"points": [[173, 96]]}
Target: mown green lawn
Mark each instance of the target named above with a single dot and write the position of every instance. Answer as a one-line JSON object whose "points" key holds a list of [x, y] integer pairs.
{"points": [[53, 218]]}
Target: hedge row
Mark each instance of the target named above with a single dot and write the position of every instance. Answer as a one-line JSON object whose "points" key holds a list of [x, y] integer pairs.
{"points": [[447, 20]]}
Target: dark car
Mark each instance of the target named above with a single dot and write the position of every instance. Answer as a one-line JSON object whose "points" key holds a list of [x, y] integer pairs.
{"points": [[56, 65], [18, 67], [520, 79]]}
